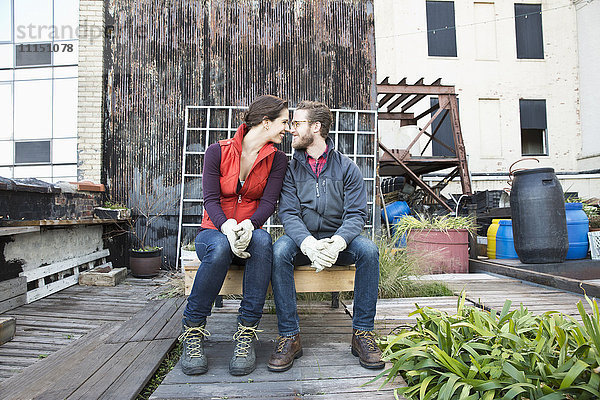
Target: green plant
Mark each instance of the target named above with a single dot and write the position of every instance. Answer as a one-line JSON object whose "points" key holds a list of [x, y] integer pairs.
{"points": [[164, 368], [398, 273], [594, 221], [440, 222], [476, 354], [114, 206], [589, 210], [189, 246]]}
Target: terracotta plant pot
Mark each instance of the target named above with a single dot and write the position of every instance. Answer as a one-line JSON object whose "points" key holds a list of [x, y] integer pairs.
{"points": [[145, 264], [440, 252]]}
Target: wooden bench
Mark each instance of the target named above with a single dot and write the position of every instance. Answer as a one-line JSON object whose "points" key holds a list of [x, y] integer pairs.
{"points": [[335, 279]]}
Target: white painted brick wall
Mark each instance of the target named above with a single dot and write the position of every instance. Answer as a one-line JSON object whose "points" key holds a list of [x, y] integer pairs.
{"points": [[402, 51], [91, 70]]}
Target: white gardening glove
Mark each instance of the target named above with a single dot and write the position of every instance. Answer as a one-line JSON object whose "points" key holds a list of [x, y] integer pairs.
{"points": [[319, 266], [324, 258], [332, 248], [244, 232], [309, 248], [230, 229], [312, 248]]}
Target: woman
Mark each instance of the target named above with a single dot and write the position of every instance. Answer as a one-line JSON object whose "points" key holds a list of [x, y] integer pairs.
{"points": [[241, 181]]}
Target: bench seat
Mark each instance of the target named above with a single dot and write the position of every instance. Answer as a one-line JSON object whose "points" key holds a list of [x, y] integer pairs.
{"points": [[335, 279]]}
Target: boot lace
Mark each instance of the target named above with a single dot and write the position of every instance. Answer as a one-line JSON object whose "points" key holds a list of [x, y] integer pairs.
{"points": [[281, 341], [193, 339], [368, 338], [243, 338]]}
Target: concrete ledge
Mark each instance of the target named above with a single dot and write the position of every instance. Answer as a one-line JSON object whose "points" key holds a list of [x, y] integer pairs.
{"points": [[96, 278]]}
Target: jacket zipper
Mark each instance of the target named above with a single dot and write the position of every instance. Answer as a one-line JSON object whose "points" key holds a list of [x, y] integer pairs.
{"points": [[239, 200]]}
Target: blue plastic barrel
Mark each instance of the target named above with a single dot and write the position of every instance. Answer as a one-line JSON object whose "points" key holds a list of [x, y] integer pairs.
{"points": [[401, 242], [577, 227], [505, 245], [396, 209]]}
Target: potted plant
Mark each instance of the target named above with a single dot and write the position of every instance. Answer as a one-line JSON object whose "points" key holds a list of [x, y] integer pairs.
{"points": [[188, 252], [442, 242], [149, 202]]}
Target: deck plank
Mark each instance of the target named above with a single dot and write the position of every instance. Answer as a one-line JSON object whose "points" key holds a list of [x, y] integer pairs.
{"points": [[60, 320], [134, 324], [133, 379], [101, 379]]}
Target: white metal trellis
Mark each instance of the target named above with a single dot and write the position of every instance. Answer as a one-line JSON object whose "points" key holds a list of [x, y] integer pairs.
{"points": [[354, 133]]}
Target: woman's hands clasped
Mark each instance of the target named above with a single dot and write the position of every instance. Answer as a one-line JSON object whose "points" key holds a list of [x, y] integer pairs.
{"points": [[239, 236]]}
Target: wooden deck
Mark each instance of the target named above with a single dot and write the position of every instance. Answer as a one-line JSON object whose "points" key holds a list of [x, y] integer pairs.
{"points": [[482, 290], [327, 370], [96, 342], [92, 342]]}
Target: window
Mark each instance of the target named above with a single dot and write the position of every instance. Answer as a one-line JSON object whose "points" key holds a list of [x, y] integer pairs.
{"points": [[528, 25], [32, 152], [5, 21], [33, 109], [533, 127], [38, 89], [33, 54], [33, 20], [441, 32], [6, 111], [443, 133]]}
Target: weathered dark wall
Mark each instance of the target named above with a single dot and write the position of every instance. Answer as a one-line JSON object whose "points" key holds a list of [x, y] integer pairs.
{"points": [[164, 55], [32, 199]]}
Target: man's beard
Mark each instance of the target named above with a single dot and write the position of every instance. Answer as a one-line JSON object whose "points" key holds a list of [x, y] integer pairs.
{"points": [[302, 142]]}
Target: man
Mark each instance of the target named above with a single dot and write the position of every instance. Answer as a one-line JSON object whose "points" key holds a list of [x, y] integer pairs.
{"points": [[323, 207]]}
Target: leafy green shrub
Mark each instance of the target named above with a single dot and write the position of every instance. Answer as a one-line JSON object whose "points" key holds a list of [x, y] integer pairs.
{"points": [[476, 354], [440, 222]]}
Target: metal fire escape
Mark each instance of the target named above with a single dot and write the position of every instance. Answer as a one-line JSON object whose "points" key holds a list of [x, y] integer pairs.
{"points": [[401, 162]]}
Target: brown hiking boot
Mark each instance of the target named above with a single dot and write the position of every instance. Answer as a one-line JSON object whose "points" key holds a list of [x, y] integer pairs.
{"points": [[365, 348], [287, 349]]}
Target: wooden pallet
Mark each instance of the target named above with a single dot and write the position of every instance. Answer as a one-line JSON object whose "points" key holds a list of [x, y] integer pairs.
{"points": [[66, 272], [335, 279], [13, 293]]}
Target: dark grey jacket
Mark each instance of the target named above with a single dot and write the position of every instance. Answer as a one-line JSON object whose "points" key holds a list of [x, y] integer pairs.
{"points": [[335, 203]]}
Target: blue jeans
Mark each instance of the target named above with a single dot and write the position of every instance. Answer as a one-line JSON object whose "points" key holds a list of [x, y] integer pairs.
{"points": [[212, 248], [361, 251]]}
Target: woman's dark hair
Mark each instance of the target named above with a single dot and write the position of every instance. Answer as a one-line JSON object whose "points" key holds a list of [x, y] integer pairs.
{"points": [[264, 106]]}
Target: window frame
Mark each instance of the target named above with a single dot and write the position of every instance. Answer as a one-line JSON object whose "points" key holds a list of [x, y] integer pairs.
{"points": [[433, 44], [529, 50], [526, 120]]}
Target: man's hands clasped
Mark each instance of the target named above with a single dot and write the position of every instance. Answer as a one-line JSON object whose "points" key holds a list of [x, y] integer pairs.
{"points": [[239, 236], [323, 253]]}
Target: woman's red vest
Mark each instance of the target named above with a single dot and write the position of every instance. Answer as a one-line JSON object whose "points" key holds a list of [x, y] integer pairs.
{"points": [[241, 205]]}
